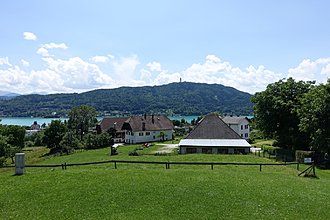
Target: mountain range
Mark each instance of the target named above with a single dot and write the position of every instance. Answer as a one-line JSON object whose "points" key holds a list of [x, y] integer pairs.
{"points": [[182, 98]]}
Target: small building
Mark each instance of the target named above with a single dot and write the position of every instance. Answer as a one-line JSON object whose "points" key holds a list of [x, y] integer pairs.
{"points": [[33, 129], [212, 135], [35, 126], [239, 124], [147, 128], [113, 125]]}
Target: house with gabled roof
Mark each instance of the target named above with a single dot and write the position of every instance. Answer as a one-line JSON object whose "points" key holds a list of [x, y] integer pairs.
{"points": [[240, 124], [147, 128], [113, 125], [213, 135]]}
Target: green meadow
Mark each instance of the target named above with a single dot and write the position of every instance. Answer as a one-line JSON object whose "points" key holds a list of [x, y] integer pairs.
{"points": [[149, 191]]}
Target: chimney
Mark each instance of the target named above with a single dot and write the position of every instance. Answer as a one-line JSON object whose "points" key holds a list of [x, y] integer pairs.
{"points": [[143, 126], [153, 119]]}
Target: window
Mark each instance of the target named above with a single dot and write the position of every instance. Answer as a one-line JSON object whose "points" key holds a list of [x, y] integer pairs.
{"points": [[239, 151], [246, 126], [207, 150], [191, 150], [241, 127], [222, 151], [241, 135], [246, 135], [140, 133], [147, 133], [154, 137]]}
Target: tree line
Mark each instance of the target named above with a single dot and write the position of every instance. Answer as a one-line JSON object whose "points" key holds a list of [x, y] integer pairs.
{"points": [[296, 114], [175, 98], [60, 137]]}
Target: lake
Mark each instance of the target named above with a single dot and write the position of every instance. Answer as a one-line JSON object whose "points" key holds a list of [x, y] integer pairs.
{"points": [[28, 121]]}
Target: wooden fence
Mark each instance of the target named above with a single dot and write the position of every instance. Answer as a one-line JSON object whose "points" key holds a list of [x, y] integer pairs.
{"points": [[167, 164]]}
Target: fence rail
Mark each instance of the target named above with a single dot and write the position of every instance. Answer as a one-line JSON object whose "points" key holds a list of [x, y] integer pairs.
{"points": [[166, 163]]}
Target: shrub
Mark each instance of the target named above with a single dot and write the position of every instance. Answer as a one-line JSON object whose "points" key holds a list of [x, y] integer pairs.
{"points": [[133, 153]]}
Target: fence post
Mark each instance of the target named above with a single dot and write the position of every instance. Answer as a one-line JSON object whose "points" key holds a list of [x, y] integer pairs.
{"points": [[65, 165], [19, 163], [212, 166], [115, 165], [260, 168], [62, 166]]}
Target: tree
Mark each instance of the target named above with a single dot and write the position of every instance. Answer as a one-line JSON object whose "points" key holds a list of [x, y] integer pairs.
{"points": [[16, 135], [69, 143], [314, 116], [275, 112], [12, 141], [54, 134], [81, 119], [3, 149]]}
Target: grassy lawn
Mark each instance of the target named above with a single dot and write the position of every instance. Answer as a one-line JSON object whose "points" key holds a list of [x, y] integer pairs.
{"points": [[142, 191]]}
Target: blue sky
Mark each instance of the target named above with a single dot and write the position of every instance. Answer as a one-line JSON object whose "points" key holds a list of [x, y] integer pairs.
{"points": [[75, 46]]}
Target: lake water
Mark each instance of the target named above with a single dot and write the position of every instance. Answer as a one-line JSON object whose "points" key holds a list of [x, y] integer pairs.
{"points": [[28, 121]]}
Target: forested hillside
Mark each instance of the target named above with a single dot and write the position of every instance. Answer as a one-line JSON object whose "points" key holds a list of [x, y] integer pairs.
{"points": [[175, 98]]}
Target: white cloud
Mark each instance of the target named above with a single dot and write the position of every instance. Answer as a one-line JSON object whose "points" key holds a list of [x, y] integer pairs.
{"points": [[4, 61], [29, 36], [43, 52], [214, 70], [55, 46], [78, 74], [125, 67], [111, 57], [155, 66], [25, 63], [309, 70], [100, 59]]}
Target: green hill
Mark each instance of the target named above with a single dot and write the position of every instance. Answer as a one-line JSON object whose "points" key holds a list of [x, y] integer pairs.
{"points": [[175, 98]]}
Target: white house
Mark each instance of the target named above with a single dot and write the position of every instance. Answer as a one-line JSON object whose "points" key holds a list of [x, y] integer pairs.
{"points": [[239, 124], [147, 128], [212, 135]]}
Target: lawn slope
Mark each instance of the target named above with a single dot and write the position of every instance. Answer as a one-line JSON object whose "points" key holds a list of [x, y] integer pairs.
{"points": [[135, 191]]}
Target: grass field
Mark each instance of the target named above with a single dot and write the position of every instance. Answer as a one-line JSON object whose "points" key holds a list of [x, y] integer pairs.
{"points": [[143, 191]]}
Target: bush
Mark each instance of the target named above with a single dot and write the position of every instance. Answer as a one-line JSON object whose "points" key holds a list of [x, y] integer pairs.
{"points": [[133, 153], [28, 144]]}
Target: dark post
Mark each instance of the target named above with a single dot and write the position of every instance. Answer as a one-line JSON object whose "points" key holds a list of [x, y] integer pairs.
{"points": [[212, 166], [260, 168], [115, 165], [65, 165], [62, 166]]}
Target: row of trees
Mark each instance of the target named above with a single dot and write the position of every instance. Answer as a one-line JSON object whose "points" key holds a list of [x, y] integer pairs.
{"points": [[59, 137], [296, 114]]}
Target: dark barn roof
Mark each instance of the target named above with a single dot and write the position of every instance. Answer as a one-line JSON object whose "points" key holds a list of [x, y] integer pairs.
{"points": [[116, 123], [148, 123], [212, 127]]}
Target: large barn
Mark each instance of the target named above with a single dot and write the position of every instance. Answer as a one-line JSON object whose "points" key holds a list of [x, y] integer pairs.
{"points": [[213, 136]]}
